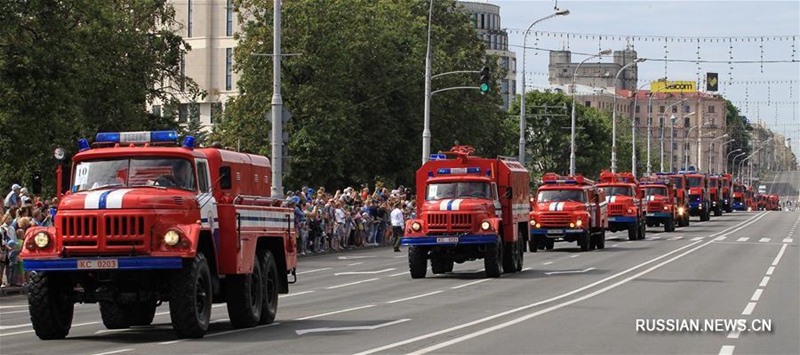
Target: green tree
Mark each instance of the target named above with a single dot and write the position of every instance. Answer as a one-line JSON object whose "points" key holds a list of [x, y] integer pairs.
{"points": [[73, 68], [356, 91], [738, 128]]}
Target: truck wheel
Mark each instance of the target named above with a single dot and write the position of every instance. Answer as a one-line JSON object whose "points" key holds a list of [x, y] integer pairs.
{"points": [[520, 254], [50, 305], [142, 313], [549, 244], [717, 212], [669, 225], [633, 232], [509, 257], [583, 241], [114, 315], [493, 260], [533, 245], [245, 296], [686, 220], [601, 239], [417, 262], [439, 264], [642, 231], [190, 298], [269, 273]]}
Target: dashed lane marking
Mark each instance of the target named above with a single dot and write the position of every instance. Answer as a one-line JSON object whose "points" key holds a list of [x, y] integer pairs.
{"points": [[414, 297], [788, 240], [719, 239], [696, 239], [764, 282], [726, 350], [351, 284], [743, 239], [468, 284], [764, 240], [770, 270], [748, 310], [757, 295]]}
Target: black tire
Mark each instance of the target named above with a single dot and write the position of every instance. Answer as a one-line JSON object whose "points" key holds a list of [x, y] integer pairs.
{"points": [[669, 225], [717, 212], [418, 262], [584, 241], [143, 313], [534, 244], [509, 257], [642, 231], [450, 266], [245, 296], [520, 254], [440, 264], [114, 315], [601, 240], [549, 244], [269, 270], [190, 298], [633, 232], [686, 220], [51, 305], [493, 260]]}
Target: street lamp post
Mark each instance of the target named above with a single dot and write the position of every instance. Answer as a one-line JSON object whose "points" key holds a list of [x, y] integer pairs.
{"points": [[721, 150], [522, 119], [686, 141], [572, 130], [614, 115], [734, 163], [672, 138], [649, 131], [710, 144], [633, 126], [426, 130], [728, 157]]}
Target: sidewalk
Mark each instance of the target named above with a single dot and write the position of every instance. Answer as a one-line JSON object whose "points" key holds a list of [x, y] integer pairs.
{"points": [[12, 290]]}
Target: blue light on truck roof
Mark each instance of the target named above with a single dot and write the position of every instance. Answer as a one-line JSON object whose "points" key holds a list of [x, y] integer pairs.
{"points": [[454, 171], [137, 137], [82, 144], [438, 157]]}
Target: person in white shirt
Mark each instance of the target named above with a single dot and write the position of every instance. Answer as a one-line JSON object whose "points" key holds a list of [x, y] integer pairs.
{"points": [[397, 225], [338, 229]]}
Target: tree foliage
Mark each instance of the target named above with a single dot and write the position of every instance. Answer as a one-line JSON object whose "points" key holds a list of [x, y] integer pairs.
{"points": [[738, 128], [356, 90], [73, 68]]}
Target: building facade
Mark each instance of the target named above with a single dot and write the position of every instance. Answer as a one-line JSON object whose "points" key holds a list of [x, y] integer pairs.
{"points": [[595, 74], [486, 20]]}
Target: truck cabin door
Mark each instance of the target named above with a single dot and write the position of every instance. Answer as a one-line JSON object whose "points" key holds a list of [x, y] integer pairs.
{"points": [[496, 201], [208, 205]]}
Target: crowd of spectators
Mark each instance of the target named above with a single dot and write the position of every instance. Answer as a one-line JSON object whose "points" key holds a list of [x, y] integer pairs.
{"points": [[21, 211], [348, 218]]}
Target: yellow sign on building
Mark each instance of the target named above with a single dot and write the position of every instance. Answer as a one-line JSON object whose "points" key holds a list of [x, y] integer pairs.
{"points": [[673, 86]]}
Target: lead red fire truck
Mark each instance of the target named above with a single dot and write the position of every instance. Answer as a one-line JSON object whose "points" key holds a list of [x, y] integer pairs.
{"points": [[147, 222], [625, 210], [468, 208], [661, 202], [570, 209]]}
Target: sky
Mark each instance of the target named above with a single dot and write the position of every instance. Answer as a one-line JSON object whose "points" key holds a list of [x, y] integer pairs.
{"points": [[758, 31]]}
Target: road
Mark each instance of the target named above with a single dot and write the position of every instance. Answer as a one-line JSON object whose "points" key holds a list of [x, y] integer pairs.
{"points": [[742, 265]]}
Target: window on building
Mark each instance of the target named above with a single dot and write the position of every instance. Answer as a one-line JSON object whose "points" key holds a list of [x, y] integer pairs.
{"points": [[513, 87], [228, 68], [229, 19], [216, 112], [483, 21], [649, 109], [674, 109], [687, 122], [674, 146], [710, 109], [194, 111], [650, 121], [588, 104], [637, 121], [189, 19], [637, 109], [474, 20], [660, 120], [687, 109], [156, 110], [504, 86], [183, 113], [183, 73], [660, 109]]}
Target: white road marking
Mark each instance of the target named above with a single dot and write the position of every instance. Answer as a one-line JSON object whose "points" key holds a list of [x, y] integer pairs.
{"points": [[696, 239], [788, 240], [296, 294], [342, 329], [719, 239], [356, 257], [365, 272], [655, 238], [104, 331], [12, 312], [399, 273], [336, 312], [764, 240], [743, 239], [15, 306], [780, 255], [575, 256], [4, 327], [31, 331], [114, 352], [547, 263], [468, 284], [414, 297], [675, 238], [350, 284], [730, 230], [764, 282], [748, 310], [311, 271], [770, 270], [757, 295], [527, 269], [354, 264], [569, 271], [734, 334], [726, 350], [613, 245], [211, 335]]}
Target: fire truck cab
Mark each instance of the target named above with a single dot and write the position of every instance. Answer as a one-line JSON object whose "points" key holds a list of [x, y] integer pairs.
{"points": [[739, 199], [570, 209], [682, 193], [468, 208], [624, 205], [773, 202], [146, 222], [727, 192], [715, 194], [662, 202], [699, 198]]}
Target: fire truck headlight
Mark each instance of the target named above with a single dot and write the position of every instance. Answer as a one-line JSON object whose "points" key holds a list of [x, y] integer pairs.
{"points": [[172, 238], [41, 239], [572, 225], [486, 225], [666, 208], [630, 211], [538, 225], [533, 222], [681, 210], [579, 223], [416, 226]]}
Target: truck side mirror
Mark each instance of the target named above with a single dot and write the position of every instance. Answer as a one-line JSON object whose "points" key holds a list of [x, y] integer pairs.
{"points": [[508, 193], [225, 177]]}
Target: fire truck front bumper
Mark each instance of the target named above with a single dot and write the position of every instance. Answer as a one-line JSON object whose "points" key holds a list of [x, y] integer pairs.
{"points": [[739, 206], [657, 215], [555, 232], [107, 264], [462, 239], [622, 219]]}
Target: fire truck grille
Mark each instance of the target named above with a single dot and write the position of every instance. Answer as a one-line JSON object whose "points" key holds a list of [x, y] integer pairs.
{"points": [[615, 209], [449, 222], [555, 219], [109, 232], [654, 207]]}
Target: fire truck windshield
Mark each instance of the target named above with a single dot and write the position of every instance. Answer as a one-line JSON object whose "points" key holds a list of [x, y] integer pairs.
{"points": [[694, 181], [738, 188], [656, 191], [460, 189], [561, 196], [677, 182], [618, 191], [133, 172]]}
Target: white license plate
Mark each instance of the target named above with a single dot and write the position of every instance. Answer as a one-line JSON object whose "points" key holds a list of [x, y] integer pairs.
{"points": [[98, 264], [555, 231], [447, 240], [651, 215]]}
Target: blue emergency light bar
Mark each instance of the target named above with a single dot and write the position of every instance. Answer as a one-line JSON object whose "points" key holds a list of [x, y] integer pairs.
{"points": [[438, 157], [458, 171], [555, 182], [137, 137]]}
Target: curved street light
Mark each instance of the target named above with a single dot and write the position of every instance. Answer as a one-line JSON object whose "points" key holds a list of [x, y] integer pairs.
{"points": [[522, 119], [572, 130], [633, 126], [614, 115], [709, 149], [686, 141]]}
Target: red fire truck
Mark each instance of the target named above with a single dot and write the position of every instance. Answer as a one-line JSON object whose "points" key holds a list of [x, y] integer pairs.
{"points": [[715, 194], [662, 202], [773, 202], [570, 209], [145, 222], [468, 208], [739, 197], [624, 205], [699, 198], [678, 180], [727, 192]]}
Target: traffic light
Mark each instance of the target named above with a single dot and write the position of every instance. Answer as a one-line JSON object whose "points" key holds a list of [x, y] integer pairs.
{"points": [[485, 80]]}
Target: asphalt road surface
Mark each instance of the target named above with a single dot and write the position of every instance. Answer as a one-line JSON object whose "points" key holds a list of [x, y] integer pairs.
{"points": [[727, 286]]}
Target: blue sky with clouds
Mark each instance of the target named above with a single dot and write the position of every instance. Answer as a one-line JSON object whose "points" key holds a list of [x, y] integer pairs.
{"points": [[775, 104]]}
